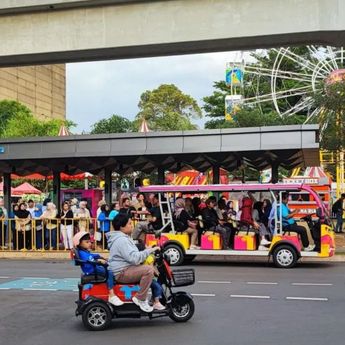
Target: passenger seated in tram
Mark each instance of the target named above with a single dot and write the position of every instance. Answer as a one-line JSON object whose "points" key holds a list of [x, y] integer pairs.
{"points": [[154, 222], [266, 210], [127, 208], [213, 223], [189, 206], [290, 225], [185, 222], [257, 217]]}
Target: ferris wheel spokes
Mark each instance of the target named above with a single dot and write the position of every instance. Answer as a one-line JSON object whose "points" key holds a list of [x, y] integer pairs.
{"points": [[321, 60], [299, 91], [302, 62], [313, 114], [300, 105]]}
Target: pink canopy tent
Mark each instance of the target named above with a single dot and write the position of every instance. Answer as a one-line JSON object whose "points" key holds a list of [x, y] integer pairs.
{"points": [[25, 188]]}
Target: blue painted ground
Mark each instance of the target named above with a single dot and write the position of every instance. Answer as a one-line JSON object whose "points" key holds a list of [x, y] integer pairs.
{"points": [[65, 284]]}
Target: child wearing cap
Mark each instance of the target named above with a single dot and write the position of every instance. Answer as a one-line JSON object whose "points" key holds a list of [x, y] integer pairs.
{"points": [[82, 242]]}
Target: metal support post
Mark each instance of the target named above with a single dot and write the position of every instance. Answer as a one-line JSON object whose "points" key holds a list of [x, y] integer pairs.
{"points": [[57, 189], [108, 187]]}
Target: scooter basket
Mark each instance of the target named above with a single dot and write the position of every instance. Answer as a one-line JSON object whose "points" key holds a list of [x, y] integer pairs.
{"points": [[183, 277]]}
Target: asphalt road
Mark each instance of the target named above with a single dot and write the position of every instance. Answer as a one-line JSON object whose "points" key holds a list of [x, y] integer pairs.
{"points": [[235, 304]]}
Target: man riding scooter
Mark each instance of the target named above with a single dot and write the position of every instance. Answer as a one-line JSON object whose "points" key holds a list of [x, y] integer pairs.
{"points": [[125, 260]]}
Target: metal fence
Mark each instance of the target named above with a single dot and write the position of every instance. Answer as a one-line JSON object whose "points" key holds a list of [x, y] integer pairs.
{"points": [[50, 234]]}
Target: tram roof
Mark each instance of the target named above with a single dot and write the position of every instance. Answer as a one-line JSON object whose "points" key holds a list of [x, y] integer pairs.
{"points": [[255, 187], [256, 147]]}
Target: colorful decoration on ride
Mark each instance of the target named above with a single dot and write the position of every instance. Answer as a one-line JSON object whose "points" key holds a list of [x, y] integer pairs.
{"points": [[210, 240], [245, 241], [193, 177], [232, 106], [233, 76]]}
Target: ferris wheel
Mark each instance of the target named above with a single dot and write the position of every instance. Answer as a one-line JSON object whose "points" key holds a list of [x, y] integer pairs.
{"points": [[291, 89], [293, 80]]}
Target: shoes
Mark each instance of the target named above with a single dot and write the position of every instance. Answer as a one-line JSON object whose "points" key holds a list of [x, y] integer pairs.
{"points": [[262, 247], [194, 247], [310, 248], [143, 305], [158, 306], [264, 242], [115, 301]]}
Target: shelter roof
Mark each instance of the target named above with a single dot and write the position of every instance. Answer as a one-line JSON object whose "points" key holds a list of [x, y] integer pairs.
{"points": [[257, 147]]}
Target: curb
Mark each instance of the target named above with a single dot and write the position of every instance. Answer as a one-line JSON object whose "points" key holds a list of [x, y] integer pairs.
{"points": [[65, 255]]}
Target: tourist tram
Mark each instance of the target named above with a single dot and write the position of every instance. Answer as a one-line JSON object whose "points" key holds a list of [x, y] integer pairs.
{"points": [[285, 248]]}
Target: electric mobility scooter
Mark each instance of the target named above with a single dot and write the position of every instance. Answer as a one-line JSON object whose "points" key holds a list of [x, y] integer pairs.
{"points": [[97, 313]]}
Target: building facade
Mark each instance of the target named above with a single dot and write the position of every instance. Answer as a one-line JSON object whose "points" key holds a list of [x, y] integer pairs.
{"points": [[40, 88]]}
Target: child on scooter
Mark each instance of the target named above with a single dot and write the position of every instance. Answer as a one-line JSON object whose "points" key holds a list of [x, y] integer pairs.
{"points": [[82, 243]]}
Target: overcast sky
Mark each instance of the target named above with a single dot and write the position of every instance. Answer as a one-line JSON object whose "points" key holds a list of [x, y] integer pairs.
{"points": [[96, 90]]}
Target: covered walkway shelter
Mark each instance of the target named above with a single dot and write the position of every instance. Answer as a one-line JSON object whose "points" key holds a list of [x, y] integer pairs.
{"points": [[257, 147]]}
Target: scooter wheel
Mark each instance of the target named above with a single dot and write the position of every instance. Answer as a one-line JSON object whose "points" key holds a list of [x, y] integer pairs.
{"points": [[97, 316], [181, 309]]}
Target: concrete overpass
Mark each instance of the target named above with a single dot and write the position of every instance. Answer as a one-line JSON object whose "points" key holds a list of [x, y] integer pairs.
{"points": [[54, 31]]}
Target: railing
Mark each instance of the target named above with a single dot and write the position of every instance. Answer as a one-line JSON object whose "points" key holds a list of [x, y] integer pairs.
{"points": [[51, 234]]}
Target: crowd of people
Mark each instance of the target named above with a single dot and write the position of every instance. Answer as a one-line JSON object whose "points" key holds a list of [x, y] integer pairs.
{"points": [[29, 225]]}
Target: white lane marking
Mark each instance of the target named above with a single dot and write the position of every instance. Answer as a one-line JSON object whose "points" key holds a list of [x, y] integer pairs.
{"points": [[203, 294], [213, 282], [4, 288], [250, 296], [262, 283], [323, 299], [76, 290], [3, 277], [312, 284], [34, 278], [38, 289]]}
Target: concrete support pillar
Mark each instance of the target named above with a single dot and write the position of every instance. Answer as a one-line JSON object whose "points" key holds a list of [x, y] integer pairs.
{"points": [[215, 174], [275, 175], [108, 188], [7, 191], [56, 190], [161, 175]]}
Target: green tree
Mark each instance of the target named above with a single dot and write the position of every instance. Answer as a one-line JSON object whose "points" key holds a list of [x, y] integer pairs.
{"points": [[113, 124], [23, 125], [18, 121], [8, 110], [167, 108], [331, 99]]}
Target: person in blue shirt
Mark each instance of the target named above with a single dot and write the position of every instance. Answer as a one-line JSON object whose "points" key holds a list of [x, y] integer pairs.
{"points": [[114, 211], [290, 225], [82, 243], [104, 223]]}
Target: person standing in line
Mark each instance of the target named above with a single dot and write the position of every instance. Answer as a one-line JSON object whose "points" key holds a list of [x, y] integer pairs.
{"points": [[51, 233], [66, 225], [31, 208], [104, 228], [38, 226], [338, 210], [4, 227], [23, 227], [83, 216]]}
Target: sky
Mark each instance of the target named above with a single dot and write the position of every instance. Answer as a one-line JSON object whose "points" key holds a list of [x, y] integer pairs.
{"points": [[96, 90]]}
